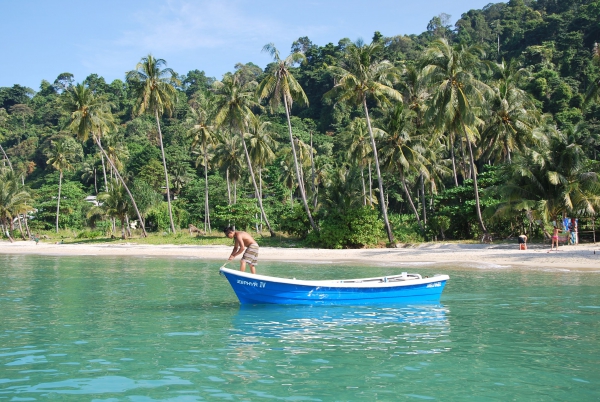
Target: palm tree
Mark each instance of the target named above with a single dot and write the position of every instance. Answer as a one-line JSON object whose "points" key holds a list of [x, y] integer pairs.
{"points": [[156, 95], [88, 173], [357, 140], [399, 151], [456, 95], [552, 180], [14, 200], [261, 145], [512, 116], [234, 103], [60, 157], [280, 85], [360, 76], [114, 202], [287, 177], [202, 136], [91, 115], [228, 158]]}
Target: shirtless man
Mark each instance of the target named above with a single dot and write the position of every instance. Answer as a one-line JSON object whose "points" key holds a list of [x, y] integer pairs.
{"points": [[243, 241]]}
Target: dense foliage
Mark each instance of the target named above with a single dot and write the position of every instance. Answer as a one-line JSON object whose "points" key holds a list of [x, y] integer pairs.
{"points": [[487, 128]]}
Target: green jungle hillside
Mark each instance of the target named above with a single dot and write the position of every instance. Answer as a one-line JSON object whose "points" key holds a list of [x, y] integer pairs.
{"points": [[486, 129]]}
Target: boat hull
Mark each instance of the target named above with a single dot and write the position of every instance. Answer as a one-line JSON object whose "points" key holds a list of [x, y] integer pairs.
{"points": [[260, 289]]}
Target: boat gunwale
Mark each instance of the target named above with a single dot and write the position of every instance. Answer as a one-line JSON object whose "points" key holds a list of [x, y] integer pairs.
{"points": [[374, 282]]}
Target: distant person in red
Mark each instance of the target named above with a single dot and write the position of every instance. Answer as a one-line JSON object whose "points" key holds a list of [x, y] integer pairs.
{"points": [[243, 241], [554, 239]]}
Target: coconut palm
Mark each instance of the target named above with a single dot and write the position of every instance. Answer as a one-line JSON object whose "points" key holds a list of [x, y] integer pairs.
{"points": [[358, 77], [14, 200], [115, 203], [512, 116], [280, 86], [456, 96], [552, 180], [229, 161], [287, 176], [202, 136], [156, 95], [60, 157], [234, 103], [261, 145], [357, 140], [400, 152], [91, 115]]}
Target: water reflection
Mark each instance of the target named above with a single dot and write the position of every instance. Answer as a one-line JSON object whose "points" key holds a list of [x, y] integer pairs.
{"points": [[396, 328]]}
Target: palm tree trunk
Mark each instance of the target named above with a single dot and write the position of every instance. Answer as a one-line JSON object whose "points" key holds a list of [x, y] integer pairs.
{"points": [[312, 166], [300, 184], [6, 157], [6, 229], [104, 171], [474, 174], [137, 211], [162, 150], [95, 181], [58, 201], [379, 179], [228, 187], [20, 226], [370, 186], [453, 162], [260, 204], [26, 225], [423, 200], [206, 208], [362, 177], [409, 198]]}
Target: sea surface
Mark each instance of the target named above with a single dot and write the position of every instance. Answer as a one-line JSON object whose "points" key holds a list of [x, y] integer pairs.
{"points": [[98, 328]]}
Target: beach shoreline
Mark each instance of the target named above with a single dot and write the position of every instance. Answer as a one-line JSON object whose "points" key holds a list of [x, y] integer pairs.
{"points": [[576, 257]]}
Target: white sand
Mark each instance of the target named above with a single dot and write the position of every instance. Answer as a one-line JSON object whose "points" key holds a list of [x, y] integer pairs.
{"points": [[579, 257]]}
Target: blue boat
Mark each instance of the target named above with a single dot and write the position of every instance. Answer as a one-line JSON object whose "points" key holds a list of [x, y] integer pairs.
{"points": [[403, 288]]}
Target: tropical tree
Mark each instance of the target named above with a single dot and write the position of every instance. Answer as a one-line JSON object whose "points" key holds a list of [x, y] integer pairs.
{"points": [[228, 159], [512, 116], [360, 76], [14, 200], [357, 140], [281, 86], [202, 136], [60, 157], [261, 145], [234, 103], [554, 180], [400, 152], [155, 94], [116, 205], [457, 96], [91, 115]]}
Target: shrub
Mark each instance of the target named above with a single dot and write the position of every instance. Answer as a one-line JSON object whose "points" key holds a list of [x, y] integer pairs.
{"points": [[353, 228]]}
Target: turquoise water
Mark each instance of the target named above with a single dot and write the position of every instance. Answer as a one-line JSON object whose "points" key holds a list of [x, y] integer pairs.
{"points": [[150, 329]]}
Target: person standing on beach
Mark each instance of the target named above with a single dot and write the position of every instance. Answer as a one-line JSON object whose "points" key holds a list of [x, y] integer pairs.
{"points": [[554, 239], [243, 241]]}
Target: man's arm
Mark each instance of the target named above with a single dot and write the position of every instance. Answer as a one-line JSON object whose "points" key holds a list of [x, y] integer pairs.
{"points": [[238, 248]]}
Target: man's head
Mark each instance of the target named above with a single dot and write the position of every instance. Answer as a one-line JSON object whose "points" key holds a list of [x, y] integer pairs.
{"points": [[229, 232]]}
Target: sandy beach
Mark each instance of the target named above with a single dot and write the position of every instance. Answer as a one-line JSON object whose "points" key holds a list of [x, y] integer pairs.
{"points": [[578, 257]]}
